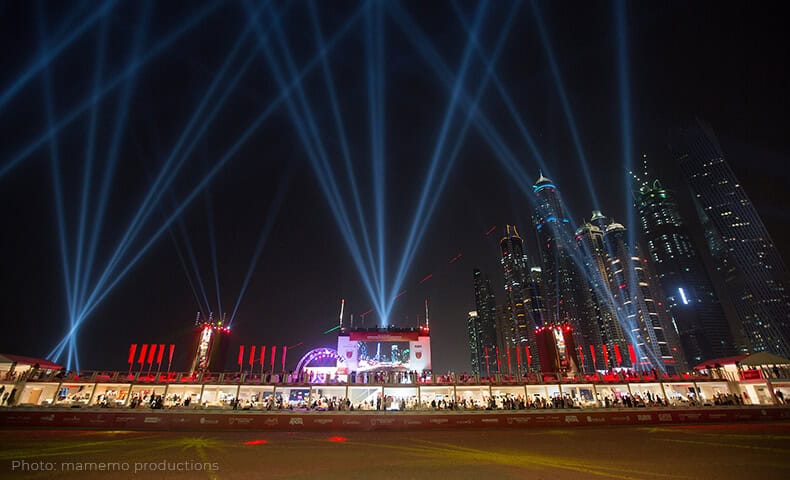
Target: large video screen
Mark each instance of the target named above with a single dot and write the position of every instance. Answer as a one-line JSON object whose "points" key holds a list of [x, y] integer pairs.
{"points": [[377, 354]]}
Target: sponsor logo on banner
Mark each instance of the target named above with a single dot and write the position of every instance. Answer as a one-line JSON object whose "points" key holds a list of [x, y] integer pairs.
{"points": [[296, 421], [324, 421], [463, 422], [124, 419], [25, 419], [644, 418], [382, 421], [571, 419], [349, 354], [621, 419], [591, 419], [490, 420], [717, 415], [152, 420], [272, 421], [351, 422], [412, 422], [512, 420], [71, 419], [47, 418], [240, 420], [208, 421], [664, 417], [689, 416], [438, 420], [418, 355]]}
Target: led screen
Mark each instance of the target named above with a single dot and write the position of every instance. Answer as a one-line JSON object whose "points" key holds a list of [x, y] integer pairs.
{"points": [[373, 354]]}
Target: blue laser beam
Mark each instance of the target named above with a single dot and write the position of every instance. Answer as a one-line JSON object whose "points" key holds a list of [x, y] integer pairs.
{"points": [[308, 133], [230, 153], [566, 106], [95, 97], [341, 133], [57, 187], [411, 242], [268, 225], [115, 140], [168, 172], [89, 159], [212, 238], [46, 57]]}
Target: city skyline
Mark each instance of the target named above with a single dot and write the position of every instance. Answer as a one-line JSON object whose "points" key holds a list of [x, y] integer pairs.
{"points": [[270, 241]]}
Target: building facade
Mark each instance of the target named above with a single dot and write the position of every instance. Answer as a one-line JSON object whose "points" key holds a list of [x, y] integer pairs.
{"points": [[754, 272], [702, 325]]}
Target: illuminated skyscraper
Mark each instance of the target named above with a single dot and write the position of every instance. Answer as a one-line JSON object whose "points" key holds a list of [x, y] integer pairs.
{"points": [[589, 237], [481, 327], [652, 340], [517, 296], [703, 328], [566, 292], [753, 270]]}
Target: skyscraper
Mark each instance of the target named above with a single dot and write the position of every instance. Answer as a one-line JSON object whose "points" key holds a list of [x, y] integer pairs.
{"points": [[590, 238], [703, 328], [481, 327], [517, 296], [754, 273], [637, 294], [566, 291]]}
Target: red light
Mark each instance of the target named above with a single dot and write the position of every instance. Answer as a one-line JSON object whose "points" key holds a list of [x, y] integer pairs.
{"points": [[337, 439], [256, 442]]}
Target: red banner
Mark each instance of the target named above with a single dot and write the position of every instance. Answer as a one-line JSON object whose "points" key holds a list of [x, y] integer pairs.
{"points": [[151, 354], [508, 359], [161, 353], [529, 357], [132, 350], [241, 355], [617, 355], [263, 353], [170, 358], [498, 361], [274, 354], [632, 354], [518, 358], [143, 351], [285, 350], [252, 355]]}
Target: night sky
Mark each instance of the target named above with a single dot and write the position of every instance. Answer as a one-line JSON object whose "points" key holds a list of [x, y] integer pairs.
{"points": [[724, 62]]}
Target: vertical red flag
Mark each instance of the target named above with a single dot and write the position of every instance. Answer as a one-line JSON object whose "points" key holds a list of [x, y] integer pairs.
{"points": [[617, 355], [252, 355], [592, 355], [170, 357], [132, 350], [241, 355], [529, 357], [488, 366], [581, 355], [285, 350], [274, 353], [151, 354], [263, 353], [143, 351], [508, 360], [518, 358], [632, 354], [605, 355], [161, 353], [498, 361]]}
